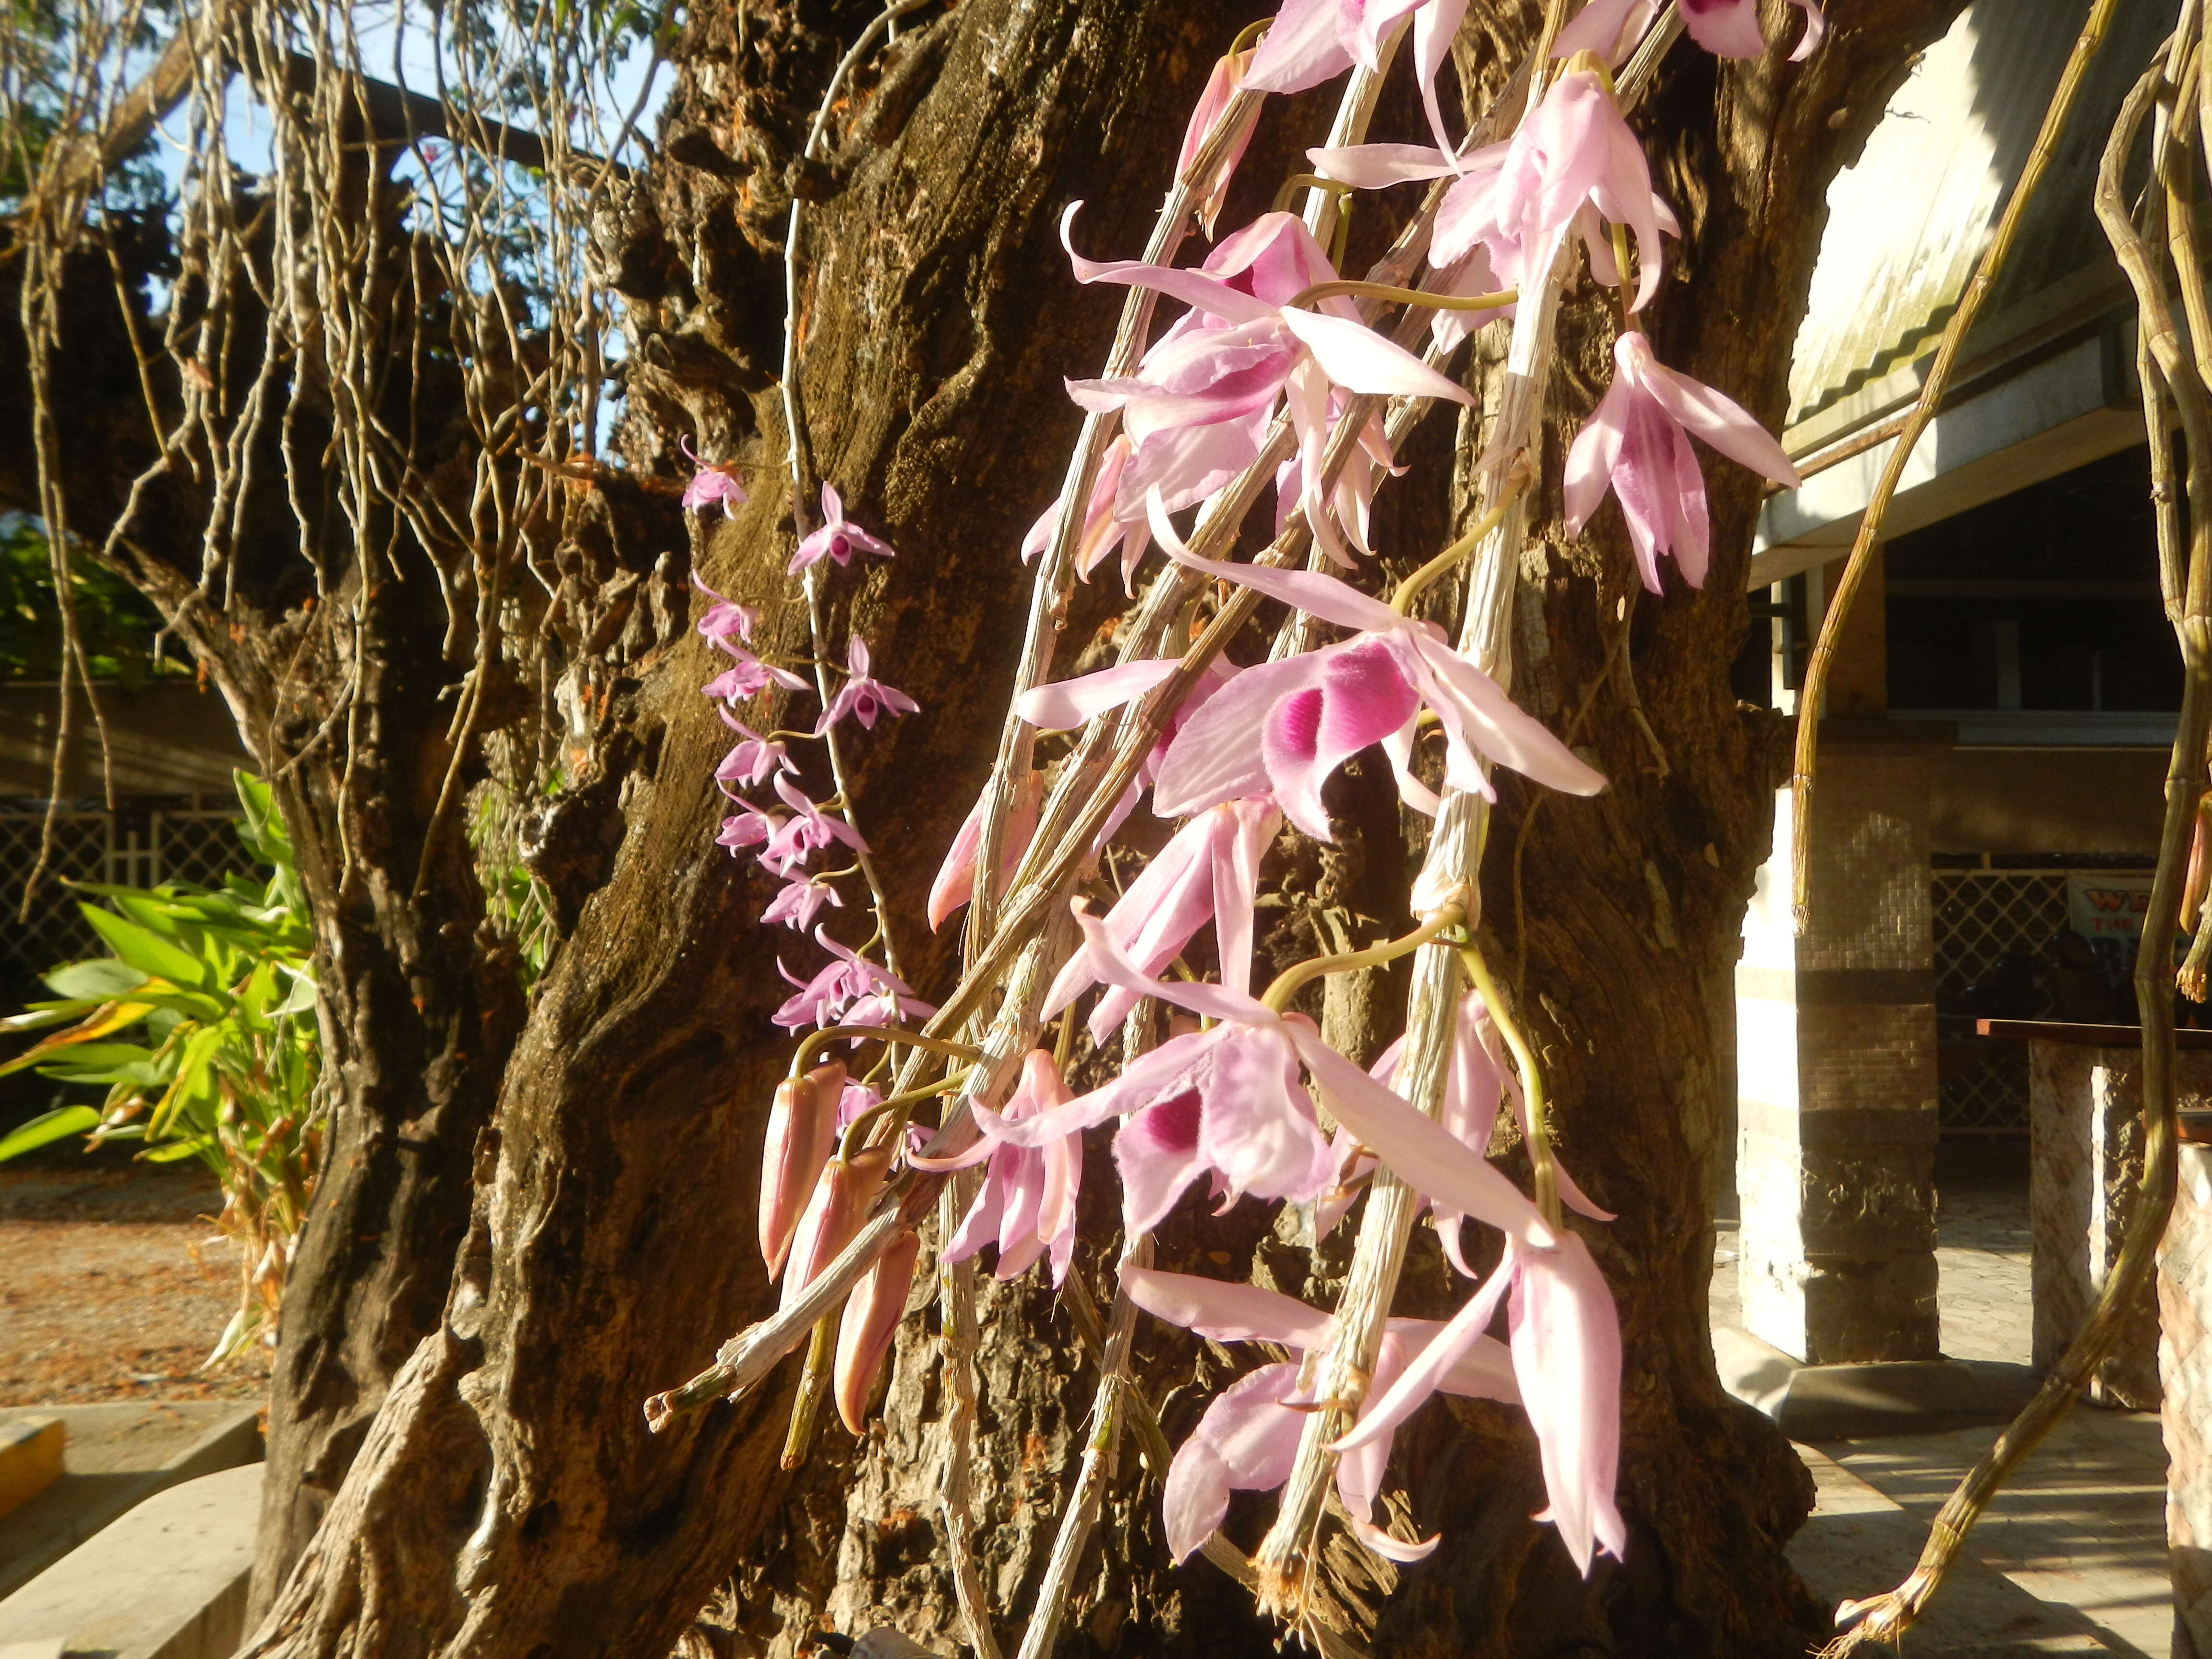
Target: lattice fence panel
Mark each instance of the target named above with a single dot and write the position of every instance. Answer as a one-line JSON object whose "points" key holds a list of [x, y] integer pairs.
{"points": [[1981, 915], [139, 849]]}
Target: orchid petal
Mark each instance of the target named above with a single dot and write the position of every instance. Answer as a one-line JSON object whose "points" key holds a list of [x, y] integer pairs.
{"points": [[1065, 704], [1419, 1151], [1194, 288], [1427, 1370], [1357, 358], [1301, 49], [1310, 591], [1726, 29], [1224, 1311], [1377, 167]]}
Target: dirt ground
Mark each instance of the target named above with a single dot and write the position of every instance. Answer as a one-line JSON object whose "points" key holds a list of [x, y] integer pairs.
{"points": [[113, 1285]]}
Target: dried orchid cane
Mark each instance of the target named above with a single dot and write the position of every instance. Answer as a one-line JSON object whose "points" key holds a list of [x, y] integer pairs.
{"points": [[957, 1295], [1450, 873]]}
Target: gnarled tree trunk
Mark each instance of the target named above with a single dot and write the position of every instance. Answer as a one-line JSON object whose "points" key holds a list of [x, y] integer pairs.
{"points": [[506, 1498]]}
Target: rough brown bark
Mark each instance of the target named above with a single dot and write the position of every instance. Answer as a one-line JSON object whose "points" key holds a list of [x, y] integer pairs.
{"points": [[506, 1499]]}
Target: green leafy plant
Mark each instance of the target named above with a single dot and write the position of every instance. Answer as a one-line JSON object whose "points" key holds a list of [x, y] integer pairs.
{"points": [[202, 1027]]}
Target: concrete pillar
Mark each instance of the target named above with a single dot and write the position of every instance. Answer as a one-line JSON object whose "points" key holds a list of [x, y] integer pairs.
{"points": [[2085, 1114], [2185, 1356], [1836, 1065]]}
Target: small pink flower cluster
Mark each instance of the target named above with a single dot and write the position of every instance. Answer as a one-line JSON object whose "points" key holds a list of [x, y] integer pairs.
{"points": [[849, 990]]}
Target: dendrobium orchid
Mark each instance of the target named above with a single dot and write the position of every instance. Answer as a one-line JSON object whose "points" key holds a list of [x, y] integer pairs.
{"points": [[725, 619], [1727, 28], [1565, 1341], [1199, 405], [1287, 725], [1311, 40], [753, 760], [712, 486], [1637, 444], [748, 676], [798, 900], [1103, 532], [1221, 86], [1209, 871], [1229, 1100], [807, 829], [838, 538], [1026, 1205], [850, 991], [1476, 1084], [1248, 1437], [955, 879], [1572, 165], [863, 696]]}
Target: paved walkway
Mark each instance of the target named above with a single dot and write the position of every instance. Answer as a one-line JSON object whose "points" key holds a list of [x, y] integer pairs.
{"points": [[2070, 1558]]}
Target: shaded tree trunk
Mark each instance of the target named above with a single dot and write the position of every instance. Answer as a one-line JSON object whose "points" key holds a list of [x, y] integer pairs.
{"points": [[487, 1294]]}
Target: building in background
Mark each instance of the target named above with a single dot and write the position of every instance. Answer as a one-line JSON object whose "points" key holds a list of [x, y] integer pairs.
{"points": [[1994, 745]]}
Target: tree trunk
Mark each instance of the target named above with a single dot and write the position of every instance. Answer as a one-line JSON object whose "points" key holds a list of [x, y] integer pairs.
{"points": [[506, 1498]]}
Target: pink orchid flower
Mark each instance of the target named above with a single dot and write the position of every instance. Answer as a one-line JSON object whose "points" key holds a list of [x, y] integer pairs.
{"points": [[1287, 725], [1249, 1437], [712, 486], [955, 879], [797, 902], [1311, 40], [808, 829], [850, 991], [838, 538], [1199, 403], [1027, 1203], [802, 1132], [1727, 28], [1209, 871], [1573, 166], [1228, 1100], [748, 827], [1565, 1341], [1475, 1083], [1637, 444], [863, 697], [1065, 704], [748, 676], [1221, 86], [1103, 532], [724, 617], [751, 761]]}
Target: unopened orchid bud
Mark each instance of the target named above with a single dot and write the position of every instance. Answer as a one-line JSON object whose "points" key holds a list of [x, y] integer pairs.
{"points": [[873, 1313], [834, 1214], [802, 1128]]}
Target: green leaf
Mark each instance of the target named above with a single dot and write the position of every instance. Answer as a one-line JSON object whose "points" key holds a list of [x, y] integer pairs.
{"points": [[176, 1151], [300, 999], [147, 951], [46, 1128], [98, 980]]}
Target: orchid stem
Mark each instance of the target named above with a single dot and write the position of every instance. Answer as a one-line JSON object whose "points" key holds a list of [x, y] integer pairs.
{"points": [[809, 1399], [1291, 980], [1540, 1160], [816, 1042], [1298, 181], [1620, 269], [1403, 297], [1415, 585]]}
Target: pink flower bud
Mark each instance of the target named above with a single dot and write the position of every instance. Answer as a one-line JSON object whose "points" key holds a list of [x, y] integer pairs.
{"points": [[834, 1214], [873, 1313], [802, 1128]]}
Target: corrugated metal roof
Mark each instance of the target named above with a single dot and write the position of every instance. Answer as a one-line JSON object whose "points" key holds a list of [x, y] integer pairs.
{"points": [[1908, 224]]}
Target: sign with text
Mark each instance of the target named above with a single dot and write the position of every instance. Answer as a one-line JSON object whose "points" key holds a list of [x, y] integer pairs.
{"points": [[2101, 905]]}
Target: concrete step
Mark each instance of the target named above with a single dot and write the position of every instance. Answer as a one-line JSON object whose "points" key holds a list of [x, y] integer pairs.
{"points": [[167, 1581], [1847, 1402], [116, 1456]]}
